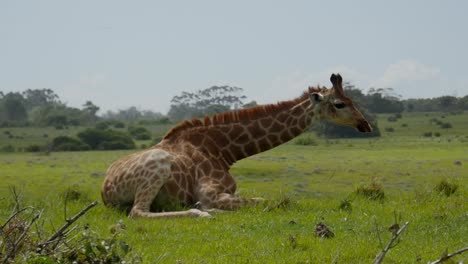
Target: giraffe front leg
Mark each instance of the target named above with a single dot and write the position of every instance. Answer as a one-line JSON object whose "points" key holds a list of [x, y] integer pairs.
{"points": [[145, 196], [225, 201]]}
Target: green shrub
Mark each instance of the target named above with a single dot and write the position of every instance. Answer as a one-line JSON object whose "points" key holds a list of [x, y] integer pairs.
{"points": [[346, 205], [64, 143], [306, 141], [139, 133], [119, 124], [437, 134], [106, 139], [102, 125], [404, 125], [389, 129], [373, 191], [445, 125], [33, 148], [427, 134], [7, 148], [446, 187]]}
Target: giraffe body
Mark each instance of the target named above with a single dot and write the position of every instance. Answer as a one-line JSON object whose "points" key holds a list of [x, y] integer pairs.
{"points": [[191, 164]]}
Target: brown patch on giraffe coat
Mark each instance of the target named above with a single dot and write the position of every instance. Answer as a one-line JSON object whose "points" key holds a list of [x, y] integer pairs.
{"points": [[295, 131], [210, 147], [237, 151], [266, 122], [235, 131], [285, 136], [250, 148], [255, 129], [277, 127], [264, 144], [218, 137], [302, 123], [230, 159], [274, 139], [205, 167], [196, 139], [243, 138]]}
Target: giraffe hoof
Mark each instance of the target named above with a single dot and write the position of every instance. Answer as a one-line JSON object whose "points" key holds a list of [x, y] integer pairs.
{"points": [[196, 212]]}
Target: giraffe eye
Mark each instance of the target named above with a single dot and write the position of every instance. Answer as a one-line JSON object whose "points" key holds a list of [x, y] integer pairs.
{"points": [[340, 105]]}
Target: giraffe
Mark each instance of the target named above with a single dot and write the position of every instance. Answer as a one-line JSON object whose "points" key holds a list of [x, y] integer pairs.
{"points": [[191, 164]]}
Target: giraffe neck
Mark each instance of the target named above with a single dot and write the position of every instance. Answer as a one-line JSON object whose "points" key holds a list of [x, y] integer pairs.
{"points": [[252, 132]]}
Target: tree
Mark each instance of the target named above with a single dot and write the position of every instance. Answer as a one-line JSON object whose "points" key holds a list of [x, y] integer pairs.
{"points": [[447, 103], [12, 108], [205, 102], [39, 98], [91, 109], [383, 100]]}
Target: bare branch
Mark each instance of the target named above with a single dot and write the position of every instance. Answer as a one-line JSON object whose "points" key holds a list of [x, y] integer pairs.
{"points": [[18, 240], [15, 213], [379, 258], [69, 222], [446, 256]]}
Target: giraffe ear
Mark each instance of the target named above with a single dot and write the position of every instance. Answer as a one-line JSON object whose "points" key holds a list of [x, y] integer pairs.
{"points": [[316, 97], [337, 82]]}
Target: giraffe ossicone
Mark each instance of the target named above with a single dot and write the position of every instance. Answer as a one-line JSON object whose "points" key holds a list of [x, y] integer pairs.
{"points": [[191, 164]]}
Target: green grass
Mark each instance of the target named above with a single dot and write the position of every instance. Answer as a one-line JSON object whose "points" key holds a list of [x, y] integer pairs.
{"points": [[316, 180]]}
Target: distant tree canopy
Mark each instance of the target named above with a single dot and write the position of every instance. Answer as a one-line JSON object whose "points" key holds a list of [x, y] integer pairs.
{"points": [[438, 104], [211, 100], [42, 107], [132, 114]]}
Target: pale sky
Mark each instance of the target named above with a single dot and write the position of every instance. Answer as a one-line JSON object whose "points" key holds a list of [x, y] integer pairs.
{"points": [[141, 53]]}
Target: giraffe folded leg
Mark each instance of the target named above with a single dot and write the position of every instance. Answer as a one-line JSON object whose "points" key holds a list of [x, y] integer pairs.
{"points": [[188, 213], [145, 196], [226, 201]]}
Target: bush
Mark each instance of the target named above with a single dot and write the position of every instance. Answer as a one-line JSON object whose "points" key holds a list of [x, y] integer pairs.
{"points": [[139, 133], [33, 148], [404, 125], [7, 148], [437, 134], [159, 121], [64, 143], [306, 141], [373, 191], [102, 125], [106, 139], [446, 187], [445, 125], [427, 134], [119, 124], [392, 119], [389, 129]]}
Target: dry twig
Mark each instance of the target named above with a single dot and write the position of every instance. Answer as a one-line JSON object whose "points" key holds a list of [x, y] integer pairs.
{"points": [[61, 232], [446, 256], [379, 258], [13, 249]]}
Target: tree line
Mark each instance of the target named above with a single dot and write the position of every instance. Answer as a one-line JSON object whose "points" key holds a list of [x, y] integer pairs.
{"points": [[43, 107]]}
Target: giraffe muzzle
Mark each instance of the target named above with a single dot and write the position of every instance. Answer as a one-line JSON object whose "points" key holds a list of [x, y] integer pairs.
{"points": [[364, 127]]}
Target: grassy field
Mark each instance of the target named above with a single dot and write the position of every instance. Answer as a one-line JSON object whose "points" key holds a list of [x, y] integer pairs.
{"points": [[305, 185]]}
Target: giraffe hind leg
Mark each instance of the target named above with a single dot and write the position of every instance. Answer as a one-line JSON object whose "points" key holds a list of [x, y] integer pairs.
{"points": [[145, 196]]}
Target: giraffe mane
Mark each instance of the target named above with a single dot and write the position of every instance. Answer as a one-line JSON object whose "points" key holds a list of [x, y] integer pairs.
{"points": [[235, 116]]}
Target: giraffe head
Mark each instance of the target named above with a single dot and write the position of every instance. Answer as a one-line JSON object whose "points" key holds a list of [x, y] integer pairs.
{"points": [[334, 106]]}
